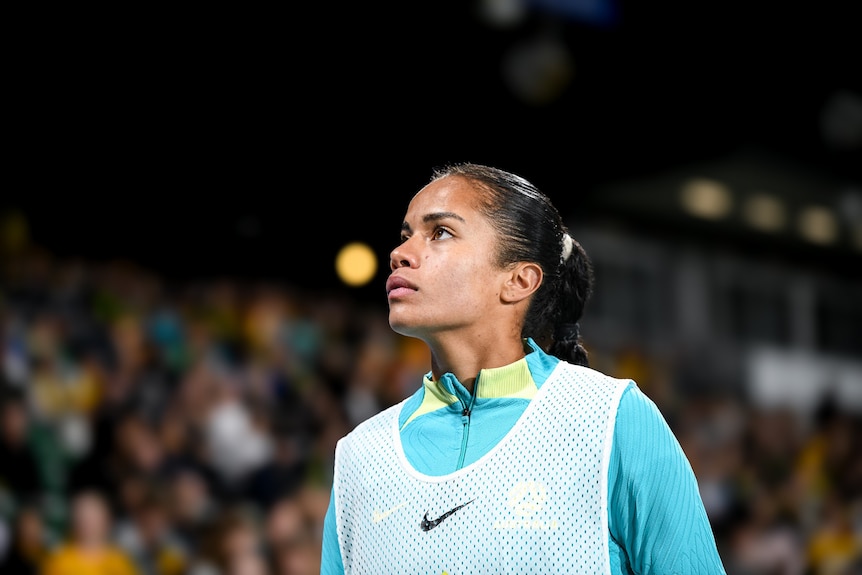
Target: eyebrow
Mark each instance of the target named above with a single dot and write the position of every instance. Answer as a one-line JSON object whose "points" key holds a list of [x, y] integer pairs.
{"points": [[434, 217]]}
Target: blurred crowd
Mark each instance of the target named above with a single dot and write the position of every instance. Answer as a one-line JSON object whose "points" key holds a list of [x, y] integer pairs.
{"points": [[157, 427]]}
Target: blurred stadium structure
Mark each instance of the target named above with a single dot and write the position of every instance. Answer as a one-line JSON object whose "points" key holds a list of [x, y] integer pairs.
{"points": [[168, 300]]}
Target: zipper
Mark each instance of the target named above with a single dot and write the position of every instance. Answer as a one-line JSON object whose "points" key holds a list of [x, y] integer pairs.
{"points": [[465, 421]]}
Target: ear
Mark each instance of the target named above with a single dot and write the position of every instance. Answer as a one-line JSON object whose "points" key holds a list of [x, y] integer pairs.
{"points": [[524, 279]]}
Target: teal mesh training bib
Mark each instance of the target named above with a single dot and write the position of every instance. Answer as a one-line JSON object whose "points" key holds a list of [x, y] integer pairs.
{"points": [[534, 504]]}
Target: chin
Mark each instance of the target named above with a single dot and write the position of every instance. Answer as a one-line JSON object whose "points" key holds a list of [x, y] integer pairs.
{"points": [[397, 327], [400, 327]]}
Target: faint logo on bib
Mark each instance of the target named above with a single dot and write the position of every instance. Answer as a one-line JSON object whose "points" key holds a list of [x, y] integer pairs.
{"points": [[525, 501]]}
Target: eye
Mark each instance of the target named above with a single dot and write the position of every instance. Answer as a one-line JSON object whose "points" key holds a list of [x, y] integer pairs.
{"points": [[440, 233]]}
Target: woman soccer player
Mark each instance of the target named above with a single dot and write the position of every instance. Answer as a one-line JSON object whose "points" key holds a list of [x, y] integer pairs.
{"points": [[513, 456]]}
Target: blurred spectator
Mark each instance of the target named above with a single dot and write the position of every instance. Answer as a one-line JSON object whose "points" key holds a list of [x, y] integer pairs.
{"points": [[286, 522], [835, 547], [137, 449], [764, 543], [233, 545], [145, 531], [176, 436], [828, 461], [297, 558], [290, 545], [284, 474], [29, 543], [315, 501], [20, 474], [89, 548], [233, 443], [191, 504]]}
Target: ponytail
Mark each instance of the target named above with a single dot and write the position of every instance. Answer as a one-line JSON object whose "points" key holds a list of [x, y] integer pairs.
{"points": [[574, 288]]}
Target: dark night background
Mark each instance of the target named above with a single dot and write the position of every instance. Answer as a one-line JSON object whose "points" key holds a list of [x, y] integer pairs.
{"points": [[257, 141]]}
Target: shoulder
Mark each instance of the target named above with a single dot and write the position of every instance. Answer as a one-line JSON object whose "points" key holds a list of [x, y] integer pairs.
{"points": [[60, 552], [643, 437], [62, 558], [637, 409], [590, 377]]}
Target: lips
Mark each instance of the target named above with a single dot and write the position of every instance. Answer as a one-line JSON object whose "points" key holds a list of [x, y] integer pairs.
{"points": [[396, 286]]}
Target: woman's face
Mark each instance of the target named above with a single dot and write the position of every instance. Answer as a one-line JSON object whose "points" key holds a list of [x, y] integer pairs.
{"points": [[91, 519], [443, 273]]}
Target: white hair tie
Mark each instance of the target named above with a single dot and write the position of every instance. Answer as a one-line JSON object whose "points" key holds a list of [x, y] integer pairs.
{"points": [[567, 246]]}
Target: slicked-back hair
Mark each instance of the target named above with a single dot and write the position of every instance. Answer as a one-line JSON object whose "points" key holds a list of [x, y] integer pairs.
{"points": [[530, 229]]}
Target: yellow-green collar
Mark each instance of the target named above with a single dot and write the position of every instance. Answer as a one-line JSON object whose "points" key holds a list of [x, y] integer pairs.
{"points": [[509, 381]]}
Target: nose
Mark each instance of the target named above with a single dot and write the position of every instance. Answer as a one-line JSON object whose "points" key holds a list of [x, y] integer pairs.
{"points": [[399, 258]]}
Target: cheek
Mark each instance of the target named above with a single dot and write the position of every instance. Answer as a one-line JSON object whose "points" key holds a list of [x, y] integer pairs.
{"points": [[468, 282]]}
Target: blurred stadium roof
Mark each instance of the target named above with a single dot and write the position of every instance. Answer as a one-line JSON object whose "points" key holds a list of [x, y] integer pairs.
{"points": [[243, 140]]}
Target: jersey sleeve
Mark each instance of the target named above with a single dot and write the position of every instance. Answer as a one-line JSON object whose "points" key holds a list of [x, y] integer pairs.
{"points": [[330, 554], [656, 514]]}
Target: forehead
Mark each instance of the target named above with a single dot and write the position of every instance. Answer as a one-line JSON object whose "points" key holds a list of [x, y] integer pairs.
{"points": [[450, 193]]}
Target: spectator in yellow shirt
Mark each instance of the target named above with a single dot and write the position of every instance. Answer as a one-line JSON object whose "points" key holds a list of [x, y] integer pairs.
{"points": [[90, 549]]}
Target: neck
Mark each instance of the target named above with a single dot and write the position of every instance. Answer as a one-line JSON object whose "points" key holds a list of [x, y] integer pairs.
{"points": [[465, 358]]}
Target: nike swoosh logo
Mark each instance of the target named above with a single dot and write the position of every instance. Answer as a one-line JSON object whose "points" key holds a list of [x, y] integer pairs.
{"points": [[377, 517], [428, 525]]}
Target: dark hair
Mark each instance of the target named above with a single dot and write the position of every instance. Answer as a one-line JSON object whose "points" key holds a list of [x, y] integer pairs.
{"points": [[531, 229]]}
